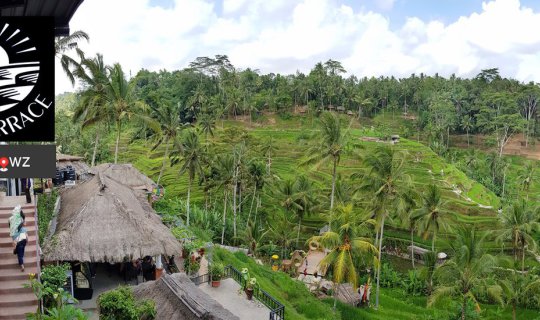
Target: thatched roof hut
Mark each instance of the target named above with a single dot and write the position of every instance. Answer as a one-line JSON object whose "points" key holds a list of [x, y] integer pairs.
{"points": [[125, 174], [65, 160], [177, 298], [103, 220]]}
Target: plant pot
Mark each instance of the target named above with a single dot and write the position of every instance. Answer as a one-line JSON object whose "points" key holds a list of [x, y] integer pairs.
{"points": [[216, 283], [249, 293]]}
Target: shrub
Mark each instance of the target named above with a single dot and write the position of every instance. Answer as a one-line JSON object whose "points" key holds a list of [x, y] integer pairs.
{"points": [[45, 213], [53, 279], [217, 270], [120, 304]]}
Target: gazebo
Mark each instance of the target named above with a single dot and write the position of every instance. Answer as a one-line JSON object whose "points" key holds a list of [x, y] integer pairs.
{"points": [[177, 298], [63, 161]]}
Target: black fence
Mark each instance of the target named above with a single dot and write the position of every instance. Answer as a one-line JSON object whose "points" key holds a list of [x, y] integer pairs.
{"points": [[277, 310]]}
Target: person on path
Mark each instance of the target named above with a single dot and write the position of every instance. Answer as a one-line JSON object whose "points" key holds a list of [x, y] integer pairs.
{"points": [[22, 239], [15, 222]]}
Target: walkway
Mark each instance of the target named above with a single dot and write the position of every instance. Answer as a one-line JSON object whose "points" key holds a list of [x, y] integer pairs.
{"points": [[15, 300], [228, 294]]}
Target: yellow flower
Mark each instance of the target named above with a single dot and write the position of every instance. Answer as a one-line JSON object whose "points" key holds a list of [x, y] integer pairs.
{"points": [[275, 257], [32, 276]]}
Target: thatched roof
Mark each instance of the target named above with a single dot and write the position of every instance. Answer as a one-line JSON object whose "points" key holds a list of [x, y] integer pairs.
{"points": [[177, 298], [102, 220], [125, 174], [66, 157]]}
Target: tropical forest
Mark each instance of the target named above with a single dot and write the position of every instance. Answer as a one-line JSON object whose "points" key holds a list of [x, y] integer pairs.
{"points": [[421, 192]]}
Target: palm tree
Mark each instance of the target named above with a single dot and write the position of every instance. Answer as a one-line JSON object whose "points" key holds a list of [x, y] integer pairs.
{"points": [[120, 100], [405, 212], [170, 126], [91, 107], [224, 165], [348, 247], [432, 214], [207, 124], [388, 182], [306, 199], [517, 289], [526, 176], [66, 44], [256, 175], [330, 148], [467, 125], [518, 224], [268, 149], [362, 103], [466, 270], [190, 154]]}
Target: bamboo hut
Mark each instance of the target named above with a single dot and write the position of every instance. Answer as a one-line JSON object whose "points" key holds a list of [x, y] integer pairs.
{"points": [[103, 220], [177, 298]]}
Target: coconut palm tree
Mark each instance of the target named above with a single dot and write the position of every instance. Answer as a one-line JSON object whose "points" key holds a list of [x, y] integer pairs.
{"points": [[348, 246], [65, 44], [268, 149], [170, 127], [331, 146], [467, 125], [224, 165], [405, 213], [517, 289], [519, 222], [91, 106], [256, 176], [120, 99], [207, 125], [306, 199], [526, 177], [387, 183], [190, 154], [432, 215], [466, 270]]}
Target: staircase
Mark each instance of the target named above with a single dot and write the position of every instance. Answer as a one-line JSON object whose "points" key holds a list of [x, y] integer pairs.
{"points": [[15, 300]]}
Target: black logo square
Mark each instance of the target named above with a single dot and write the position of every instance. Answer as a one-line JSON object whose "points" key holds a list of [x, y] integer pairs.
{"points": [[27, 78]]}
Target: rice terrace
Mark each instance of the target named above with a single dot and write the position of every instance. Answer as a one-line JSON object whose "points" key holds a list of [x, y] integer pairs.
{"points": [[295, 160]]}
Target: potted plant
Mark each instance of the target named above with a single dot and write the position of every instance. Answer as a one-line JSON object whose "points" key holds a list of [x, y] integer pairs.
{"points": [[250, 283], [216, 270]]}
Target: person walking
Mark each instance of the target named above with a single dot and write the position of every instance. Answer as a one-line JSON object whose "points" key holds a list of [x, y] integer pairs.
{"points": [[15, 222], [22, 239]]}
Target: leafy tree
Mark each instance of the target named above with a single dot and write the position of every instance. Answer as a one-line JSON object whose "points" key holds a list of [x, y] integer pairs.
{"points": [[268, 149], [518, 289], [466, 272], [387, 182], [349, 249], [432, 214], [65, 44], [518, 224], [207, 124], [190, 154], [332, 144], [467, 125], [306, 200]]}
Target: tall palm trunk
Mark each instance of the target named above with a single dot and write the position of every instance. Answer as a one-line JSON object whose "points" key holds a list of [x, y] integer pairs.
{"points": [[188, 196], [95, 149], [224, 215], [298, 234], [117, 142], [164, 161], [523, 258], [379, 264], [463, 307], [234, 207], [252, 201], [333, 184], [513, 311], [412, 247], [468, 140], [433, 241]]}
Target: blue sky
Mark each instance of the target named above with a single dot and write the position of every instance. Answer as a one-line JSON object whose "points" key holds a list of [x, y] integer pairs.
{"points": [[370, 37]]}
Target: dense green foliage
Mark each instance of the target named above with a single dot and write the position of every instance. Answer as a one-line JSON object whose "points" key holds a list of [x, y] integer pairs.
{"points": [[120, 304], [45, 209]]}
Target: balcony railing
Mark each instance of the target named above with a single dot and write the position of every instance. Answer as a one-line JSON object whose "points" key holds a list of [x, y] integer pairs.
{"points": [[277, 310]]}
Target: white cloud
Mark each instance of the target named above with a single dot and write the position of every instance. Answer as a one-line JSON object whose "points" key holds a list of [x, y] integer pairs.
{"points": [[285, 36], [385, 4]]}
